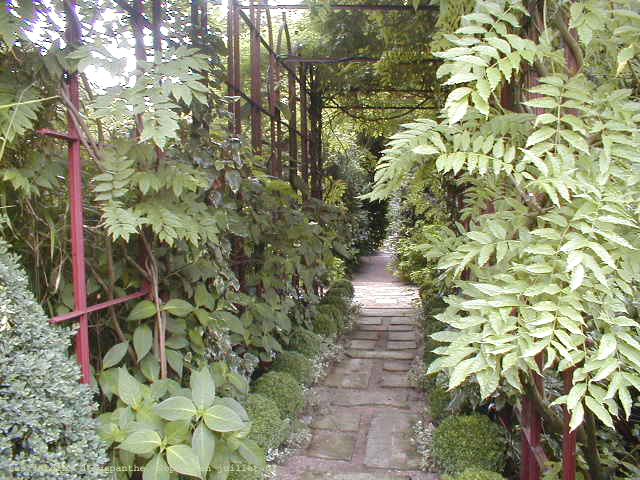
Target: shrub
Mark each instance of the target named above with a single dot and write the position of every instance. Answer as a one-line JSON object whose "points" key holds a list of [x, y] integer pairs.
{"points": [[296, 364], [343, 285], [326, 322], [439, 400], [305, 342], [284, 390], [45, 413], [266, 423], [474, 474], [245, 471], [469, 441]]}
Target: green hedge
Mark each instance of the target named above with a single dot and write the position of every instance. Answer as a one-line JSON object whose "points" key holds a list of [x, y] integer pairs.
{"points": [[295, 364], [45, 413], [474, 474], [267, 425], [284, 390], [306, 342]]}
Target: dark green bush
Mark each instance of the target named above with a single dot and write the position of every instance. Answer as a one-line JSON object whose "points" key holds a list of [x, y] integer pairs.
{"points": [[474, 474], [295, 364], [305, 342], [343, 285], [325, 324], [266, 423], [46, 415], [469, 441], [439, 400], [284, 390]]}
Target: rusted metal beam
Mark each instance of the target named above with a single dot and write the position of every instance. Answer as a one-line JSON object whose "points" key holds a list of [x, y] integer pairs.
{"points": [[304, 126], [256, 83], [292, 100], [334, 6], [236, 69]]}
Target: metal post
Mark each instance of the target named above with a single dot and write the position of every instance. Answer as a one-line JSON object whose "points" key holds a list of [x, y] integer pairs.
{"points": [[293, 139], [77, 222], [274, 158], [304, 125], [236, 67], [256, 84], [315, 112]]}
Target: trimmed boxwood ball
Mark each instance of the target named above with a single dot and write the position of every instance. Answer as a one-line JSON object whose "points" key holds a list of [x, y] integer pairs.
{"points": [[439, 400], [469, 441], [266, 421], [343, 284], [325, 324], [306, 342], [284, 390], [474, 474], [296, 364], [46, 414]]}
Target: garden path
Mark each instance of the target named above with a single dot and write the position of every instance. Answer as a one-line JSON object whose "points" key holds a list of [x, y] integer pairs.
{"points": [[363, 431]]}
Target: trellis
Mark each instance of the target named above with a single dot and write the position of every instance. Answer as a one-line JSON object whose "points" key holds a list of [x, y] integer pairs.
{"points": [[304, 143]]}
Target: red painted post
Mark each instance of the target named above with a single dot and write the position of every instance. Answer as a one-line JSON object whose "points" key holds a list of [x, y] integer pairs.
{"points": [[77, 221], [236, 67], [304, 126], [293, 139], [568, 437], [274, 159], [256, 84]]}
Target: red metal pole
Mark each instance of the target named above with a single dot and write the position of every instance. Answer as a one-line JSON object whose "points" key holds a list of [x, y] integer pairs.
{"points": [[304, 126], [77, 221], [236, 67], [568, 437], [256, 84]]}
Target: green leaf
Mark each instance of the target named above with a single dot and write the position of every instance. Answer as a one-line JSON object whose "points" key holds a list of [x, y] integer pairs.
{"points": [[178, 307], [624, 56], [175, 361], [183, 460], [222, 419], [607, 347], [203, 443], [114, 355], [577, 416], [575, 140], [141, 442], [142, 340], [142, 310], [203, 388], [156, 469], [129, 390], [600, 412], [540, 136], [176, 408], [251, 452], [577, 277]]}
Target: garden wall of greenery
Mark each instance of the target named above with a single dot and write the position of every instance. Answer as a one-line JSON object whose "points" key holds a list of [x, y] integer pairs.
{"points": [[239, 263]]}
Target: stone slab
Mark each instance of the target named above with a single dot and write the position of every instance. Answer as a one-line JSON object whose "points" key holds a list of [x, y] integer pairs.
{"points": [[396, 366], [387, 312], [395, 380], [340, 420], [344, 379], [382, 354], [373, 328], [401, 328], [402, 321], [352, 365], [401, 345], [369, 321], [370, 398], [362, 344], [389, 442], [331, 445], [367, 335], [352, 476], [402, 336]]}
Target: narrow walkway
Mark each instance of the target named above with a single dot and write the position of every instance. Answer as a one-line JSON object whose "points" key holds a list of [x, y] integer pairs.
{"points": [[363, 432]]}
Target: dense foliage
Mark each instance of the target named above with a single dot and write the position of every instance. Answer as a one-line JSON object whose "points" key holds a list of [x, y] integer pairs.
{"points": [[46, 425], [538, 138]]}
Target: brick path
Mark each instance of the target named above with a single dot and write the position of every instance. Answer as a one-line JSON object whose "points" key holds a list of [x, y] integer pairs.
{"points": [[363, 432]]}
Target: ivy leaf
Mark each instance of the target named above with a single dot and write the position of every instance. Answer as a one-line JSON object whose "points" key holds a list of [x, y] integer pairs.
{"points": [[142, 310], [141, 442], [114, 355], [183, 460], [142, 340]]}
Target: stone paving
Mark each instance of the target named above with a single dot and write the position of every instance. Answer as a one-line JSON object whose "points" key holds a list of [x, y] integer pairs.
{"points": [[364, 430]]}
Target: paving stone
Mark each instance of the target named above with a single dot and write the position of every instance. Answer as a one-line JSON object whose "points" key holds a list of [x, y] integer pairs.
{"points": [[369, 321], [402, 321], [352, 365], [366, 335], [352, 476], [383, 354], [401, 345], [401, 328], [396, 366], [389, 442], [331, 445], [345, 379], [341, 420], [368, 398], [395, 380], [387, 312], [402, 336], [362, 344], [373, 328]]}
